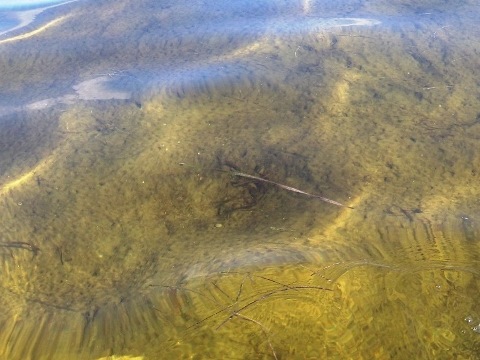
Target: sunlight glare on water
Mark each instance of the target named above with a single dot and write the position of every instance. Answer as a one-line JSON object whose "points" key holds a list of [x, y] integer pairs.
{"points": [[28, 4], [172, 175]]}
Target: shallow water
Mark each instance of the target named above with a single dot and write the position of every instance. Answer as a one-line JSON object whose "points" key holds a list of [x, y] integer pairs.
{"points": [[125, 233]]}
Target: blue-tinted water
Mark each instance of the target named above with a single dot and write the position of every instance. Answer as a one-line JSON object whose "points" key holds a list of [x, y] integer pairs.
{"points": [[28, 4], [7, 22]]}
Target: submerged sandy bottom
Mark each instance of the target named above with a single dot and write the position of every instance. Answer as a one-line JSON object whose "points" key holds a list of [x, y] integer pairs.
{"points": [[110, 247]]}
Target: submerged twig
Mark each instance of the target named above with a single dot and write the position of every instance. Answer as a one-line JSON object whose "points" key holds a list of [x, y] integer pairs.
{"points": [[264, 329], [241, 302], [289, 188], [285, 187], [20, 245]]}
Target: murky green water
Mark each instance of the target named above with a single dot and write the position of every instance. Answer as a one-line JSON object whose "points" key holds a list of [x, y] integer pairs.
{"points": [[110, 247]]}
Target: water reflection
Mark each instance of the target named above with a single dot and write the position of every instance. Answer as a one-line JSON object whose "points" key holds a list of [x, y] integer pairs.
{"points": [[110, 247], [19, 14], [29, 4]]}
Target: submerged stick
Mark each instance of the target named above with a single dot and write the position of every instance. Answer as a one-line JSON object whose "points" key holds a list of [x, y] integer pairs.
{"points": [[285, 187], [243, 302], [265, 332], [289, 188], [20, 245]]}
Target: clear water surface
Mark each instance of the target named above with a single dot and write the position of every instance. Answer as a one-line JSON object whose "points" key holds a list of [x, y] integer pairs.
{"points": [[158, 161]]}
